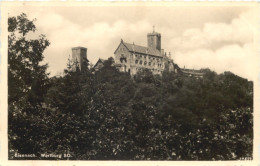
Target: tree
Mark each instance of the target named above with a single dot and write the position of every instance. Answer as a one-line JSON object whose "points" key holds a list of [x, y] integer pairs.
{"points": [[27, 78], [27, 81]]}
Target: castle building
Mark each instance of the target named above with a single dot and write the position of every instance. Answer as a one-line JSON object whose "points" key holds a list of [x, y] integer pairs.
{"points": [[192, 73], [99, 64], [133, 58], [79, 58]]}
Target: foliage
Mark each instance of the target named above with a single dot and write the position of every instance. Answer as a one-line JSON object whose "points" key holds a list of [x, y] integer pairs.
{"points": [[27, 82], [109, 115]]}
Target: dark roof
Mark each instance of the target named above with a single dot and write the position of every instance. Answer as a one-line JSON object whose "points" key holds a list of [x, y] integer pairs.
{"points": [[79, 47], [153, 33], [192, 71], [142, 49], [99, 60], [102, 60], [176, 66]]}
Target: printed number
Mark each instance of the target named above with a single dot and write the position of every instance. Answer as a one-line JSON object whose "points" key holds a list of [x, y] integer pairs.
{"points": [[246, 158]]}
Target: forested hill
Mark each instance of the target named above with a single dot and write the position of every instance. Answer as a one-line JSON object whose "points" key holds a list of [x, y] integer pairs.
{"points": [[110, 115]]}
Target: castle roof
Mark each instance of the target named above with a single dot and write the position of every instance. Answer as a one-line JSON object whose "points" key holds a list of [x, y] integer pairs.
{"points": [[192, 71], [79, 47], [102, 60], [142, 50], [99, 60], [153, 33]]}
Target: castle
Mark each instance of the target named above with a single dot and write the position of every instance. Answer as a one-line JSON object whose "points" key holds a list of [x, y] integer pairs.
{"points": [[132, 58]]}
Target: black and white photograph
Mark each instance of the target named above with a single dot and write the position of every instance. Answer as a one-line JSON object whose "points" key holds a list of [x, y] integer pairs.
{"points": [[131, 81]]}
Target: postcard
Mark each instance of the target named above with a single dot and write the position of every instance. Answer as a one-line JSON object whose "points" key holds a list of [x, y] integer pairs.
{"points": [[123, 83]]}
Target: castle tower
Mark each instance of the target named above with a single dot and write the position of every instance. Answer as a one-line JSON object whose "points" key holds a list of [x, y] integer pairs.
{"points": [[79, 58], [154, 40]]}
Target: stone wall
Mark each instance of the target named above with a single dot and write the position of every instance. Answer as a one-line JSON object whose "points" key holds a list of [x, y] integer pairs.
{"points": [[133, 62], [123, 58]]}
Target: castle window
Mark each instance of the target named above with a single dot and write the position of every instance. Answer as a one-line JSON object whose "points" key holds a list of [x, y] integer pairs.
{"points": [[149, 63], [136, 62], [141, 62], [123, 59], [145, 62]]}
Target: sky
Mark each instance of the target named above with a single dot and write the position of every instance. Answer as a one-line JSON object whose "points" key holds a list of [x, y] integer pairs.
{"points": [[221, 38]]}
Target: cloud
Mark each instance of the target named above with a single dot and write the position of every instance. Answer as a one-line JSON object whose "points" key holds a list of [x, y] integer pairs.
{"points": [[220, 46], [219, 38], [239, 60], [241, 30], [101, 38]]}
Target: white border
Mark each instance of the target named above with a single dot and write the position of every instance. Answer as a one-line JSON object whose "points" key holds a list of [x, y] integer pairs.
{"points": [[3, 87]]}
